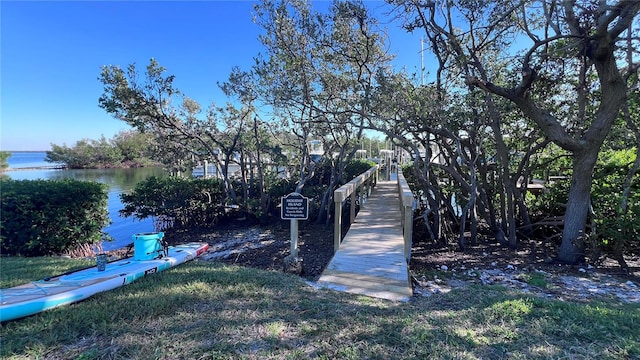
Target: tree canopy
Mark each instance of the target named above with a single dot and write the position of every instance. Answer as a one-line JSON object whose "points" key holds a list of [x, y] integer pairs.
{"points": [[523, 90]]}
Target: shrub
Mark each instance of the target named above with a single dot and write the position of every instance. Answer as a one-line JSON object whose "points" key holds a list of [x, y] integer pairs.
{"points": [[48, 217], [127, 148], [4, 155], [355, 168], [611, 231], [616, 231], [86, 154], [278, 189], [176, 202]]}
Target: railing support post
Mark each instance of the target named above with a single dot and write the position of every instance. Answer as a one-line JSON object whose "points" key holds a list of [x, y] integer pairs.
{"points": [[337, 224], [408, 230], [352, 208], [406, 211]]}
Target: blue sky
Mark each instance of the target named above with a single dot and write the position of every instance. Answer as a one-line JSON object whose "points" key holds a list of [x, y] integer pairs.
{"points": [[52, 53]]}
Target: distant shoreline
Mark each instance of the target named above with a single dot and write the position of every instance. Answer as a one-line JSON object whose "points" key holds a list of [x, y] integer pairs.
{"points": [[50, 167], [26, 151], [65, 167]]}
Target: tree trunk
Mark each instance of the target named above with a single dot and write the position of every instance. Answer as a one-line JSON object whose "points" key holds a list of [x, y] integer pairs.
{"points": [[524, 213], [325, 208], [244, 174], [264, 198], [231, 193], [511, 211], [573, 236], [467, 210]]}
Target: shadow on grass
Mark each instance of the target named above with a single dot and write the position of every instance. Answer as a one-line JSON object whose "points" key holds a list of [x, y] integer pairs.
{"points": [[209, 310]]}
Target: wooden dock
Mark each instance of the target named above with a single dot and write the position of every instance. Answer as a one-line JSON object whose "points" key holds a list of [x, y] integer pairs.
{"points": [[371, 258]]}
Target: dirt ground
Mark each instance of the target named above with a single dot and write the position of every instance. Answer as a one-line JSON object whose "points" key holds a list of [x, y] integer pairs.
{"points": [[529, 254], [266, 247]]}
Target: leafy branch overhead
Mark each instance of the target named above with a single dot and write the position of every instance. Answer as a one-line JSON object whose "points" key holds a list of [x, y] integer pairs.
{"points": [[561, 64], [521, 92]]}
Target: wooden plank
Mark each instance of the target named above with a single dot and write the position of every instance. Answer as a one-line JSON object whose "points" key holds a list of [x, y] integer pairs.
{"points": [[364, 286], [371, 259], [338, 275]]}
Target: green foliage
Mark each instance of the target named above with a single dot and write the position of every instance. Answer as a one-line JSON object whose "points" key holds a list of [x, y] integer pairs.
{"points": [[617, 229], [46, 217], [283, 187], [126, 149], [552, 202], [176, 202], [536, 279], [125, 99], [278, 189], [86, 154], [4, 155], [553, 161], [355, 168], [314, 188], [134, 146], [613, 231]]}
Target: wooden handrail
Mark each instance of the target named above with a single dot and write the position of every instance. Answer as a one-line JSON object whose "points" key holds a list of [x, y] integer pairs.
{"points": [[349, 190], [406, 211]]}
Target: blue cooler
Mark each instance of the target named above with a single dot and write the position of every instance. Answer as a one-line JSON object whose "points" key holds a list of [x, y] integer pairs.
{"points": [[147, 246]]}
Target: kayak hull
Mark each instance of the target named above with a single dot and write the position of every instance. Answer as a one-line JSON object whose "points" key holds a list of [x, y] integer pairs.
{"points": [[42, 295]]}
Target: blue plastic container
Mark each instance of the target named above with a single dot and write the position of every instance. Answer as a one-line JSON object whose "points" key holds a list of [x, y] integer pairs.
{"points": [[147, 246]]}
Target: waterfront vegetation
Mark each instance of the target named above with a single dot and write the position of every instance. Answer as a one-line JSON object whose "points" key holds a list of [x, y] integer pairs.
{"points": [[176, 202], [205, 310], [126, 149], [495, 115], [53, 217], [4, 155], [488, 135], [186, 203], [562, 109], [42, 217]]}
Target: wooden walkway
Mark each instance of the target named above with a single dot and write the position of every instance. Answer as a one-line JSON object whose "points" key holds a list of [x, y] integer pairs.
{"points": [[371, 258]]}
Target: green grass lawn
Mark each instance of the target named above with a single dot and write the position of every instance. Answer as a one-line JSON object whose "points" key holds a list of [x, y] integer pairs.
{"points": [[203, 310]]}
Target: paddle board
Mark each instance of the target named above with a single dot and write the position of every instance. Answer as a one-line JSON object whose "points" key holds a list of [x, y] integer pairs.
{"points": [[41, 295]]}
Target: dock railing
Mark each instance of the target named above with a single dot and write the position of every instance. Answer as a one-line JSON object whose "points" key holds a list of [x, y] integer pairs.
{"points": [[406, 211], [368, 179]]}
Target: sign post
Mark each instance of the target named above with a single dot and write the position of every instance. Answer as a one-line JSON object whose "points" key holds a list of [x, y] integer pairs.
{"points": [[294, 207]]}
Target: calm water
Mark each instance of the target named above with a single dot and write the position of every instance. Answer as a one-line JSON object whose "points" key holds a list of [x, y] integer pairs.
{"points": [[119, 181], [20, 160]]}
